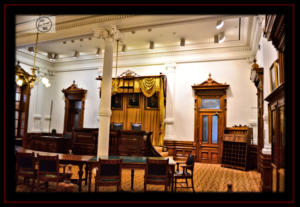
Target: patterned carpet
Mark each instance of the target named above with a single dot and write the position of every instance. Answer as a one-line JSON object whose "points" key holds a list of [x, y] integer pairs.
{"points": [[207, 178]]}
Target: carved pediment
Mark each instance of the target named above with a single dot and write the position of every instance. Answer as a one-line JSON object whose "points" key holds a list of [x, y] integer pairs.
{"points": [[129, 74], [210, 84], [73, 89]]}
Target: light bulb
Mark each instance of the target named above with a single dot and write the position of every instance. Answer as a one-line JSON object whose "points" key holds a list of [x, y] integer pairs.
{"points": [[20, 82]]}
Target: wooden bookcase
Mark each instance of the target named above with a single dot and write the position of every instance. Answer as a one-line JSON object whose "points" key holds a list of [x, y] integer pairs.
{"points": [[236, 141]]}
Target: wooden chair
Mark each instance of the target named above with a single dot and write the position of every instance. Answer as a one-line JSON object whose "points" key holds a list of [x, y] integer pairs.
{"points": [[25, 167], [157, 173], [48, 170], [108, 173], [186, 173]]}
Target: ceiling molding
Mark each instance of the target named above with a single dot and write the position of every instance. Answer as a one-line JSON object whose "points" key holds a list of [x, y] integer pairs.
{"points": [[242, 52]]}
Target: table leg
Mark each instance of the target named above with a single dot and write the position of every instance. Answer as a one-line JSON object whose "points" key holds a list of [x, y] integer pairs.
{"points": [[86, 174], [80, 172], [132, 178], [90, 169]]}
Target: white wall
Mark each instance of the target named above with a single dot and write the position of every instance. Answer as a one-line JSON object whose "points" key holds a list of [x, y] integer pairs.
{"points": [[241, 95], [265, 56]]}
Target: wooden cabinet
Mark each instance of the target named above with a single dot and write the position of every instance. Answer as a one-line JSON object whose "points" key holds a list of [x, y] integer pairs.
{"points": [[74, 108], [47, 143], [277, 136], [236, 142]]}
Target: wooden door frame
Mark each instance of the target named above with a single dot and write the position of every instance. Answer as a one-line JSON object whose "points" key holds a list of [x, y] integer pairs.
{"points": [[210, 89]]}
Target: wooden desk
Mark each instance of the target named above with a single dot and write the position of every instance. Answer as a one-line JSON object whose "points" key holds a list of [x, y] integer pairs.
{"points": [[78, 160], [132, 162]]}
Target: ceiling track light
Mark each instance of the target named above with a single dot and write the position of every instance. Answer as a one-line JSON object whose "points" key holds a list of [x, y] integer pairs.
{"points": [[31, 49], [52, 56], [182, 42], [220, 24], [222, 37], [98, 52], [151, 46], [76, 54], [219, 38]]}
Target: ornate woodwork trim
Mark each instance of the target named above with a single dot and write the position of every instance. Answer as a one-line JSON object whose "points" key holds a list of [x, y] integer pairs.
{"points": [[180, 149], [275, 30]]}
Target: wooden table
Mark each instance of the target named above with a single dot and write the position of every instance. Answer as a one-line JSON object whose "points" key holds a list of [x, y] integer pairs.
{"points": [[131, 162], [78, 160]]}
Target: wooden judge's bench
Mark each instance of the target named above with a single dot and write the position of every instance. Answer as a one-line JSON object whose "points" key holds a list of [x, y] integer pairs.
{"points": [[84, 142]]}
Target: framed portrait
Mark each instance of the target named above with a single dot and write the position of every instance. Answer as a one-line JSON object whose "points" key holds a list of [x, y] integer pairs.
{"points": [[133, 100], [116, 101], [274, 75], [152, 102]]}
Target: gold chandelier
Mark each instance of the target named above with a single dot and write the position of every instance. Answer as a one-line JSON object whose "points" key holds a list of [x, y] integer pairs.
{"points": [[24, 78]]}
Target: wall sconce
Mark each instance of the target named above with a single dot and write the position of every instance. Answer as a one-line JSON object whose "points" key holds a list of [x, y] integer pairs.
{"points": [[76, 55], [98, 52], [151, 46], [219, 38], [182, 42], [220, 24]]}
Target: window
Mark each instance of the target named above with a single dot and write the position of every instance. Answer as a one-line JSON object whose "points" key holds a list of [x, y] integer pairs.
{"points": [[205, 128], [215, 129], [210, 103]]}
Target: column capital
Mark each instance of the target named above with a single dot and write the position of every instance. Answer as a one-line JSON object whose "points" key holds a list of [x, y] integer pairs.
{"points": [[170, 66], [111, 32]]}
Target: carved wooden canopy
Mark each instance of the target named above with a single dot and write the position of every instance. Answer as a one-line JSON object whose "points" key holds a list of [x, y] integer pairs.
{"points": [[210, 84], [73, 92]]}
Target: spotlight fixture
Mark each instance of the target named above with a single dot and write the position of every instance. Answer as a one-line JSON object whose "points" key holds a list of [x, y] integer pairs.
{"points": [[182, 42], [76, 55], [31, 49], [123, 48], [219, 38], [52, 56], [151, 46], [98, 52], [220, 24]]}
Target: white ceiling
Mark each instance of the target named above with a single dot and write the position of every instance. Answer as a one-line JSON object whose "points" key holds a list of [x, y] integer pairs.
{"points": [[138, 31]]}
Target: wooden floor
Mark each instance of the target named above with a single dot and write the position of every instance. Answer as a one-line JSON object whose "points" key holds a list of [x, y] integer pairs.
{"points": [[207, 178]]}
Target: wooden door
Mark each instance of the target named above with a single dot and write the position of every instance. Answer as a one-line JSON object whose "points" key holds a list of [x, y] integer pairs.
{"points": [[210, 120], [210, 136]]}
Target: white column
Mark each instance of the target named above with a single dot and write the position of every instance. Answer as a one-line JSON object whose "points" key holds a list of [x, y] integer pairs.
{"points": [[169, 120], [109, 35]]}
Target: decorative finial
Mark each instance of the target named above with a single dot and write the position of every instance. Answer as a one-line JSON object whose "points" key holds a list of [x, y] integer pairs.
{"points": [[73, 81], [254, 65], [209, 76]]}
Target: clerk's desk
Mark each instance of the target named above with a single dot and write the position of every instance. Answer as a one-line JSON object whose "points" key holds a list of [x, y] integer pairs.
{"points": [[132, 162]]}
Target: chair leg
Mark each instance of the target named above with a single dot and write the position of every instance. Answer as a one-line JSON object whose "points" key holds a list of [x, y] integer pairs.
{"points": [[193, 184], [38, 185], [186, 181], [32, 185], [96, 187], [145, 187]]}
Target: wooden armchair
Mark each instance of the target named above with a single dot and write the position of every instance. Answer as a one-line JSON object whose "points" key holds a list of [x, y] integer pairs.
{"points": [[25, 167], [186, 173], [48, 170], [108, 173], [157, 173]]}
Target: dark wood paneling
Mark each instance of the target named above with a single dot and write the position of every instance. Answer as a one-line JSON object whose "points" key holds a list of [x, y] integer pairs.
{"points": [[266, 172], [180, 149], [252, 158]]}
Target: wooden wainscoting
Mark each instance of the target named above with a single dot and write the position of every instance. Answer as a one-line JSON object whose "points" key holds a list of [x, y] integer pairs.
{"points": [[180, 149]]}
